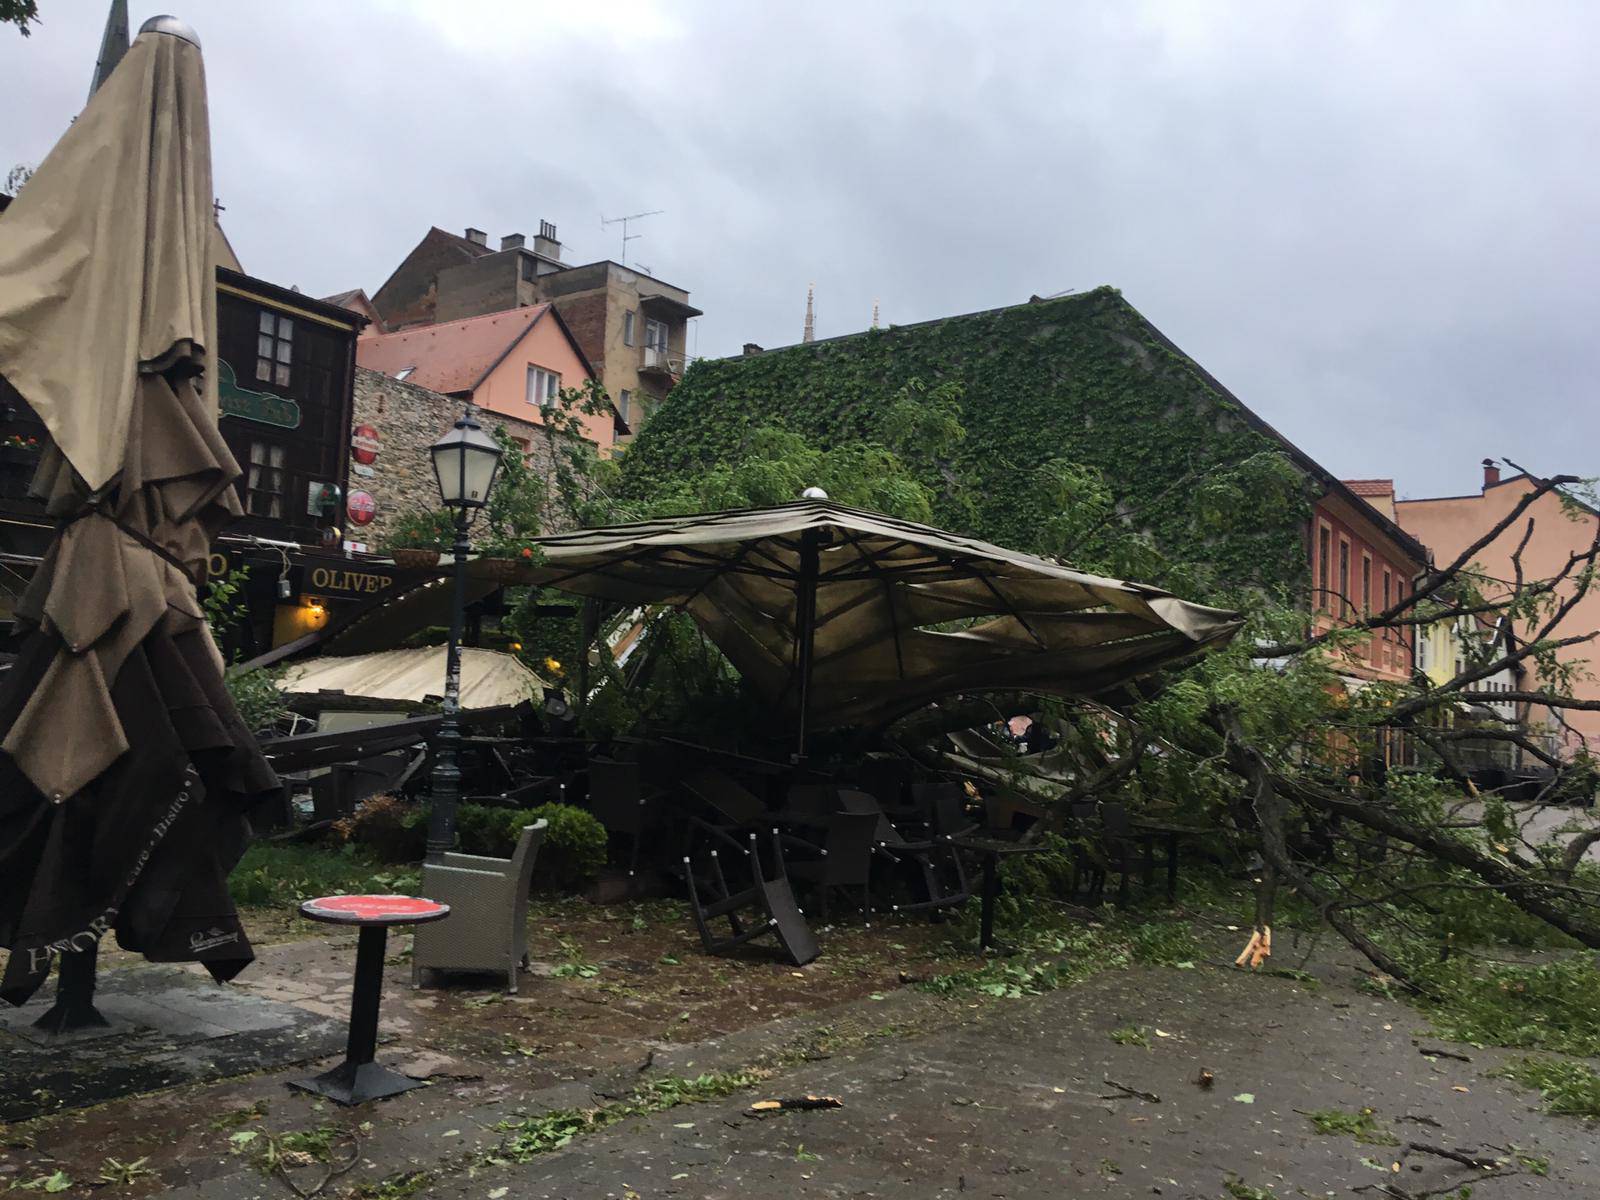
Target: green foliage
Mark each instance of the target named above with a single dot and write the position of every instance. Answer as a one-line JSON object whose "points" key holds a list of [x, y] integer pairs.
{"points": [[257, 697], [1569, 1088], [1363, 1125], [1131, 1035], [1065, 426], [776, 465], [255, 693], [1547, 1006], [420, 529], [224, 602], [20, 13], [530, 1137], [278, 875], [1238, 1189], [1047, 960], [574, 846]]}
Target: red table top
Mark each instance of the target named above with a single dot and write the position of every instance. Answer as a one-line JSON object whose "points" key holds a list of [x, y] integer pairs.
{"points": [[374, 910]]}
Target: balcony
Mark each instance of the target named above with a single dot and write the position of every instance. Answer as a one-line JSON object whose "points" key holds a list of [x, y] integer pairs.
{"points": [[661, 363]]}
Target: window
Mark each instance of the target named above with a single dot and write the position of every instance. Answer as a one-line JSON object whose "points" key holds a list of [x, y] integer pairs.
{"points": [[1388, 585], [404, 373], [1422, 648], [1366, 586], [627, 331], [624, 405], [655, 335], [1344, 578], [264, 480], [524, 447], [1324, 539], [543, 386], [530, 269], [274, 347]]}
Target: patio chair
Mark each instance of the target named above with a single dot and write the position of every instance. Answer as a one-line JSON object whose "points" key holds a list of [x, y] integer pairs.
{"points": [[766, 906], [1126, 849], [487, 929], [619, 801], [944, 809], [844, 861], [929, 855]]}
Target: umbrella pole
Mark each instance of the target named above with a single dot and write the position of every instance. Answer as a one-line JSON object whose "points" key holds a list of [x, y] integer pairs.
{"points": [[74, 1007], [805, 621], [446, 784]]}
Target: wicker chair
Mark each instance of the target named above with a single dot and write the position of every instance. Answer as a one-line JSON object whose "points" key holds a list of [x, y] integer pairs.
{"points": [[487, 929]]}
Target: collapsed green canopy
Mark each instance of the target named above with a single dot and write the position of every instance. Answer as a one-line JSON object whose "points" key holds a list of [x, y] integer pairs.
{"points": [[904, 613]]}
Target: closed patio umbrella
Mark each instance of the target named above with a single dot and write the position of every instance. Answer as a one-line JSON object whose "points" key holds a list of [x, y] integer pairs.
{"points": [[841, 617], [126, 770]]}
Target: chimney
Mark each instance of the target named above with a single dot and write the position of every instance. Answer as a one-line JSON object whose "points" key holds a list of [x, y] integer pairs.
{"points": [[512, 241], [1491, 474], [547, 243], [751, 350], [477, 237]]}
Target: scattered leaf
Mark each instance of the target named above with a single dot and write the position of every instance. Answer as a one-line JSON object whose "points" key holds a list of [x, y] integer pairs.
{"points": [[1246, 1098]]}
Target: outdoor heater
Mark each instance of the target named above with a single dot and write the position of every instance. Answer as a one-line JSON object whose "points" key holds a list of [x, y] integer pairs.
{"points": [[465, 461]]}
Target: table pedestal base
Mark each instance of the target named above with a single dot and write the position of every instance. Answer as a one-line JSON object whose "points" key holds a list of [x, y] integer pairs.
{"points": [[356, 1083], [74, 1008]]}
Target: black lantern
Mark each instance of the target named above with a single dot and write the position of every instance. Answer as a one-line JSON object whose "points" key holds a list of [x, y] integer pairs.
{"points": [[466, 460]]}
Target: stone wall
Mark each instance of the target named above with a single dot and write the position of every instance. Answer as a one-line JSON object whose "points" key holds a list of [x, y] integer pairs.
{"points": [[409, 419]]}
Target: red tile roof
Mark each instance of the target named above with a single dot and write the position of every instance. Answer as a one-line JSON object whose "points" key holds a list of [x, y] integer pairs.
{"points": [[1370, 487], [454, 356]]}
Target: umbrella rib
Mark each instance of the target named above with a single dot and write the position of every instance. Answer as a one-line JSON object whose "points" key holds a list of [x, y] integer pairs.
{"points": [[867, 559]]}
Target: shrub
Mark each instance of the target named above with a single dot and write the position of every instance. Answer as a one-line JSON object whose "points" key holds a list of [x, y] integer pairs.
{"points": [[392, 828], [421, 529], [574, 847]]}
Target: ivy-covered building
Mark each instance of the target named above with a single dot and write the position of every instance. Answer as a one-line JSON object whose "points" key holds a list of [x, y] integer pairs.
{"points": [[1085, 379]]}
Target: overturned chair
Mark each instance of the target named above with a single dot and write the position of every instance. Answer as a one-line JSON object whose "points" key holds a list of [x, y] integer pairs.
{"points": [[487, 929], [757, 904]]}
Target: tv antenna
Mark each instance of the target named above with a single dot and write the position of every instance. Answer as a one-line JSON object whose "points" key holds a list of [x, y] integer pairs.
{"points": [[623, 221]]}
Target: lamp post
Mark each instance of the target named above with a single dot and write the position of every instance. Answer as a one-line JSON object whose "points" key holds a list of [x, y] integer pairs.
{"points": [[465, 462]]}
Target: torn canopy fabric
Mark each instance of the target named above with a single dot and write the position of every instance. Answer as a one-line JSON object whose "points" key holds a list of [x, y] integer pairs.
{"points": [[126, 771], [904, 613]]}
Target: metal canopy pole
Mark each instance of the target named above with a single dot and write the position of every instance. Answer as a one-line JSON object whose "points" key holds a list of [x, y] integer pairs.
{"points": [[805, 632]]}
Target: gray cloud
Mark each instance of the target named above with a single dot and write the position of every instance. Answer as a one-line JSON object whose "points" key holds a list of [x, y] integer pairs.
{"points": [[1373, 222]]}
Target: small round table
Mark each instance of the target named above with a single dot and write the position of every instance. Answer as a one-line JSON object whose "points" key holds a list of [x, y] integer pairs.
{"points": [[359, 1079]]}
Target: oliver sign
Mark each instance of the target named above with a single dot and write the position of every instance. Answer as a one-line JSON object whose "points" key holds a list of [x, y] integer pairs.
{"points": [[236, 401]]}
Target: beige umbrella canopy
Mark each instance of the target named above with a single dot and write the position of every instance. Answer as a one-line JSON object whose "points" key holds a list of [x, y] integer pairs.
{"points": [[903, 613], [114, 717]]}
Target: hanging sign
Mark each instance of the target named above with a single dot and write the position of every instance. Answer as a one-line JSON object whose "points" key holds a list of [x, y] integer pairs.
{"points": [[364, 444], [236, 401], [361, 507]]}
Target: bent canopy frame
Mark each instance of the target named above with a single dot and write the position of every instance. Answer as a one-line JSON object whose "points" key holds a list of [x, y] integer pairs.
{"points": [[843, 617]]}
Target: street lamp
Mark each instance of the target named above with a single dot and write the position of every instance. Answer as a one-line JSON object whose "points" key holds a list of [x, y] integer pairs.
{"points": [[465, 461]]}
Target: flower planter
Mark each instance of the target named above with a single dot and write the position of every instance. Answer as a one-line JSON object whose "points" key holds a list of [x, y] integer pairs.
{"points": [[415, 558]]}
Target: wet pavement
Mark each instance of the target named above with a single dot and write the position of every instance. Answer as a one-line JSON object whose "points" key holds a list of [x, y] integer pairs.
{"points": [[1015, 1102], [941, 1095], [165, 1026]]}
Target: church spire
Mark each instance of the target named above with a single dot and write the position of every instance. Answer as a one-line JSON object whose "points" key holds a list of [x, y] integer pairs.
{"points": [[810, 334], [113, 45], [874, 314]]}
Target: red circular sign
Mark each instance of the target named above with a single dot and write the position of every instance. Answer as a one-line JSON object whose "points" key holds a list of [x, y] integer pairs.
{"points": [[361, 507], [364, 444], [377, 910]]}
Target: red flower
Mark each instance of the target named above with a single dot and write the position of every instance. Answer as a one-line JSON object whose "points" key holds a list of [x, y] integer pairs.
{"points": [[526, 552]]}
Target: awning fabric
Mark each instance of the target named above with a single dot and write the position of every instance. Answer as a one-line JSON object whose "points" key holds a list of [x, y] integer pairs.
{"points": [[905, 613], [126, 772], [489, 678]]}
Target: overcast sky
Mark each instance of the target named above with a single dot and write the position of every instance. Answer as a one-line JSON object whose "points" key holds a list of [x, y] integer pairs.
{"points": [[1375, 223]]}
